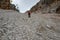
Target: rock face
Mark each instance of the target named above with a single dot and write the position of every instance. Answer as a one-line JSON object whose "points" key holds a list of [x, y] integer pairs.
{"points": [[5, 4], [16, 26], [46, 6], [46, 1]]}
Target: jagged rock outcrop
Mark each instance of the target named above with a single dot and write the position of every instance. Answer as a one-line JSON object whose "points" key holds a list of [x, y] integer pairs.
{"points": [[46, 6], [5, 4]]}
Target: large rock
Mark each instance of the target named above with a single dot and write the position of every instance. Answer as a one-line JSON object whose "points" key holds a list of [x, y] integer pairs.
{"points": [[58, 10]]}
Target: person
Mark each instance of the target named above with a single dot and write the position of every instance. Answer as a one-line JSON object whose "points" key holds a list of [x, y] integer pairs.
{"points": [[29, 14]]}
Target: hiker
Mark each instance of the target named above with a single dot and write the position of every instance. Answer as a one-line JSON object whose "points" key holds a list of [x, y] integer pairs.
{"points": [[29, 14]]}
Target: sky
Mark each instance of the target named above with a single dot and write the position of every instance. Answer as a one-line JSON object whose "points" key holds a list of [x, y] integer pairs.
{"points": [[24, 5]]}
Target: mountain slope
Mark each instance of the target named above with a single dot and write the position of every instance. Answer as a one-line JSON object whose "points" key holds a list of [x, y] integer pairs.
{"points": [[46, 5], [17, 26]]}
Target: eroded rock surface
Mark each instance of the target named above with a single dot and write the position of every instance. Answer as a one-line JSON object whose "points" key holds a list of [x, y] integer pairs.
{"points": [[16, 26]]}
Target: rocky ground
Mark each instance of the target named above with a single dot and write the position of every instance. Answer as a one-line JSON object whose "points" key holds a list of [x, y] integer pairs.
{"points": [[17, 26]]}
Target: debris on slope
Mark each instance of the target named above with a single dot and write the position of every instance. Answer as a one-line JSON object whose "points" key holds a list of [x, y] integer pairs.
{"points": [[16, 26]]}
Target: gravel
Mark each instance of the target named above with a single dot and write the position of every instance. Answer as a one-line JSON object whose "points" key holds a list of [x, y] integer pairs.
{"points": [[17, 26]]}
